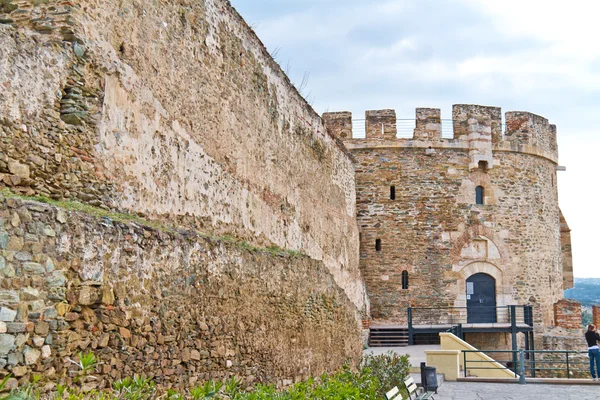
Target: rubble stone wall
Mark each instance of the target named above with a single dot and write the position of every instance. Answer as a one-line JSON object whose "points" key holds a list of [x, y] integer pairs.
{"points": [[567, 314], [172, 305]]}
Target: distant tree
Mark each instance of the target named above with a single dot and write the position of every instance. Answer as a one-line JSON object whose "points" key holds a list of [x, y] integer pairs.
{"points": [[586, 318]]}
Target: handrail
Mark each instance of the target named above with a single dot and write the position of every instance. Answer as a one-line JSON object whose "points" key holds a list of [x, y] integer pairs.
{"points": [[510, 314], [405, 127], [552, 363]]}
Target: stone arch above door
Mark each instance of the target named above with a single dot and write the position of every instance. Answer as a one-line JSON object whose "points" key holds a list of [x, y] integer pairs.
{"points": [[503, 292], [482, 267]]}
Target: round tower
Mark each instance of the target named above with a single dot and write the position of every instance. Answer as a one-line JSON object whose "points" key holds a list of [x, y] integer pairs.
{"points": [[452, 224]]}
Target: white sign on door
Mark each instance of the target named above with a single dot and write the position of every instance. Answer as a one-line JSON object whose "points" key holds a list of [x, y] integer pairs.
{"points": [[470, 288]]}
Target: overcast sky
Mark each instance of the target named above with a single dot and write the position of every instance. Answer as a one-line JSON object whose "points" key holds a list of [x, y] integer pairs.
{"points": [[521, 55]]}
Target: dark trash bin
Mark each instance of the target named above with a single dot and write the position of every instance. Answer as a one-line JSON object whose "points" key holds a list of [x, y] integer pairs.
{"points": [[429, 378]]}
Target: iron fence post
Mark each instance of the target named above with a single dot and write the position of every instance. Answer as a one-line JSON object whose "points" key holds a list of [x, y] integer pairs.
{"points": [[521, 367], [567, 358], [411, 340], [465, 363], [513, 332], [532, 355]]}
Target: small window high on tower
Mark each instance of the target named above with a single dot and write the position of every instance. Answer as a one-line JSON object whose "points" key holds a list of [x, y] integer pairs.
{"points": [[393, 192], [404, 279], [377, 244], [479, 193]]}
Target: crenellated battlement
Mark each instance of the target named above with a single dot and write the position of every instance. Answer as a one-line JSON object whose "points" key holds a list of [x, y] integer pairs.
{"points": [[339, 124], [525, 128], [428, 125], [474, 127], [380, 124]]}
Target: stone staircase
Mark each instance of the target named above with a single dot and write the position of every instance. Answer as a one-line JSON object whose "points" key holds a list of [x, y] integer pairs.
{"points": [[388, 337]]}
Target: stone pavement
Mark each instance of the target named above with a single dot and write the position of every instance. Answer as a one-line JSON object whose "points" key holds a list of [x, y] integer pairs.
{"points": [[416, 353], [513, 391]]}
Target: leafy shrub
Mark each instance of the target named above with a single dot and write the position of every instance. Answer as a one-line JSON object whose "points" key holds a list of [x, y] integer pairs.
{"points": [[345, 384], [389, 368]]}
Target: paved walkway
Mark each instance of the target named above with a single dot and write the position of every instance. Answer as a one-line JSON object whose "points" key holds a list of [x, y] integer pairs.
{"points": [[512, 391], [416, 353]]}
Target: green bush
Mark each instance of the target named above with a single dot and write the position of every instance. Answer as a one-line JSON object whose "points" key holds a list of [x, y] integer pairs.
{"points": [[390, 369], [376, 375], [346, 384]]}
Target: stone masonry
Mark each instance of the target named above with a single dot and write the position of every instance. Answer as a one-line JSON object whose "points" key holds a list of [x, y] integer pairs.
{"points": [[174, 111], [417, 211], [567, 314], [596, 315], [175, 114], [172, 305]]}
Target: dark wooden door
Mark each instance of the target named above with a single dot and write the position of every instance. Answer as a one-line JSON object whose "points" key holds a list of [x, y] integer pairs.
{"points": [[481, 298]]}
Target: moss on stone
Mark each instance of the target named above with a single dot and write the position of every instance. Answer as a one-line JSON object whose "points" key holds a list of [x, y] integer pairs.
{"points": [[7, 6], [126, 218]]}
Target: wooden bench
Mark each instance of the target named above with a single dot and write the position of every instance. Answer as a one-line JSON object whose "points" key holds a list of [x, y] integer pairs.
{"points": [[412, 389]]}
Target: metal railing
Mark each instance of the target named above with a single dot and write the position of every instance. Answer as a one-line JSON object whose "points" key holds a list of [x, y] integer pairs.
{"points": [[457, 331], [524, 364], [405, 128], [520, 315]]}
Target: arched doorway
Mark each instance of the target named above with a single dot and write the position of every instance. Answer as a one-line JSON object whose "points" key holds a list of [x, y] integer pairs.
{"points": [[481, 298]]}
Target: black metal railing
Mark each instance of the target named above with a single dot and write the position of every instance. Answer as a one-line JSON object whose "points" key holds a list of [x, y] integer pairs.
{"points": [[457, 331], [520, 315], [524, 364]]}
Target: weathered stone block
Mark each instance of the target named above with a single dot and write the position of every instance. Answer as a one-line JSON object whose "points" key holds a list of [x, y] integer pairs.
{"points": [[16, 327], [7, 343], [21, 170], [42, 328], [56, 279], [9, 296], [29, 294], [7, 315], [46, 351], [23, 256], [38, 341], [89, 295], [33, 268], [15, 358]]}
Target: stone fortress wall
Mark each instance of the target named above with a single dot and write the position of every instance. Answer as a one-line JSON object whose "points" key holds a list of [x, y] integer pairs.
{"points": [[175, 114], [434, 229], [175, 111]]}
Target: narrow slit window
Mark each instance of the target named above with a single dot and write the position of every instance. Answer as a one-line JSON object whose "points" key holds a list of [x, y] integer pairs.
{"points": [[404, 279], [479, 193], [393, 192], [377, 244]]}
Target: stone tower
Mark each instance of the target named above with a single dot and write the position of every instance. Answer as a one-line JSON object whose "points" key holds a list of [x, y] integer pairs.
{"points": [[434, 212]]}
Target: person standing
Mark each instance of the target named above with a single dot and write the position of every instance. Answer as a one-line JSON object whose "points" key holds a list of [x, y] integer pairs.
{"points": [[592, 338]]}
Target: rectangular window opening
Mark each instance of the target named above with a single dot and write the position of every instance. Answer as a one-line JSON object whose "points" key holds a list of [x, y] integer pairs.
{"points": [[393, 192], [479, 195], [377, 244]]}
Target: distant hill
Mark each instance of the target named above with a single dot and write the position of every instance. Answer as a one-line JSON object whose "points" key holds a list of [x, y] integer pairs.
{"points": [[586, 291]]}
